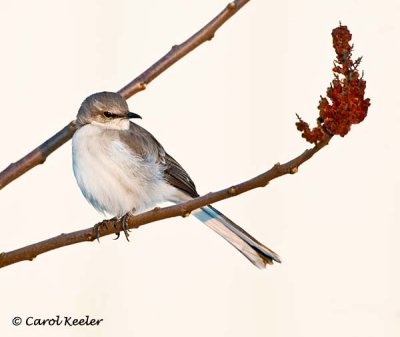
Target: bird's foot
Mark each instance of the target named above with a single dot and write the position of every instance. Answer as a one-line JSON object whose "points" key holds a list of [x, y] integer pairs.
{"points": [[125, 227], [104, 223]]}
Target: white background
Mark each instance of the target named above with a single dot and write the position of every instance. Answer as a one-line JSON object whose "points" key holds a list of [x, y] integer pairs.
{"points": [[227, 113]]}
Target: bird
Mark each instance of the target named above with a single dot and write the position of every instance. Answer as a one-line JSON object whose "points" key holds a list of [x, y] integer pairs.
{"points": [[122, 169]]}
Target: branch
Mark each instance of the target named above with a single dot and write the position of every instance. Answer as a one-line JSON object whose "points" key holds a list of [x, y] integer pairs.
{"points": [[39, 155], [108, 227]]}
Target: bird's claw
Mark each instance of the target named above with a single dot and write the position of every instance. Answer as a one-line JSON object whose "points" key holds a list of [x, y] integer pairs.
{"points": [[97, 226], [97, 230], [124, 226]]}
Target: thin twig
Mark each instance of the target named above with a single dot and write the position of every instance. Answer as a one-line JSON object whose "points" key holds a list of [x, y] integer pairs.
{"points": [[39, 154], [108, 227]]}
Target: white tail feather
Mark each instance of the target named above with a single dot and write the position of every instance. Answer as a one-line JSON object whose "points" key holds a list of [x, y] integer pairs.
{"points": [[255, 251]]}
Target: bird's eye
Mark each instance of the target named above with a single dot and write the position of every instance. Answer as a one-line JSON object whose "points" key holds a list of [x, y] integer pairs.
{"points": [[108, 114]]}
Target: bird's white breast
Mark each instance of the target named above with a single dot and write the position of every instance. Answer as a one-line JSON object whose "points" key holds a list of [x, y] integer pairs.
{"points": [[112, 177]]}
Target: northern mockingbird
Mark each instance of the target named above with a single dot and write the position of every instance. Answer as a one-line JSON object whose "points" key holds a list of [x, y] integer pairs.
{"points": [[121, 168]]}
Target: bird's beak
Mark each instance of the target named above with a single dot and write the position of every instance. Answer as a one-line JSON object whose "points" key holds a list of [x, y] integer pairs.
{"points": [[133, 115]]}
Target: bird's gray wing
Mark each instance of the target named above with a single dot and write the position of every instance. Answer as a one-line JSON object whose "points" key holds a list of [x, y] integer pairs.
{"points": [[178, 177], [144, 144]]}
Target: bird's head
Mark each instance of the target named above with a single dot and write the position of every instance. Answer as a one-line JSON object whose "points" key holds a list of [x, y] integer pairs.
{"points": [[105, 109]]}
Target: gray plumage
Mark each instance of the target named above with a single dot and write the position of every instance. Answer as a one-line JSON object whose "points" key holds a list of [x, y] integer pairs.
{"points": [[120, 167]]}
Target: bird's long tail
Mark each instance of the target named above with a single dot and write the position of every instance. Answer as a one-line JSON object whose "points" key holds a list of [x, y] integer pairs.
{"points": [[255, 251]]}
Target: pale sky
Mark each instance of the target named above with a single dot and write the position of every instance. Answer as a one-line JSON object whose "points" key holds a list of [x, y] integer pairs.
{"points": [[226, 112]]}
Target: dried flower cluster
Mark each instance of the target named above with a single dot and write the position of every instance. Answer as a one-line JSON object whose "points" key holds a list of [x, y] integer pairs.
{"points": [[346, 104]]}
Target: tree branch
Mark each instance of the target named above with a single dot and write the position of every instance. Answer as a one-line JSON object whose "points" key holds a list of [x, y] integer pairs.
{"points": [[108, 227], [39, 154]]}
